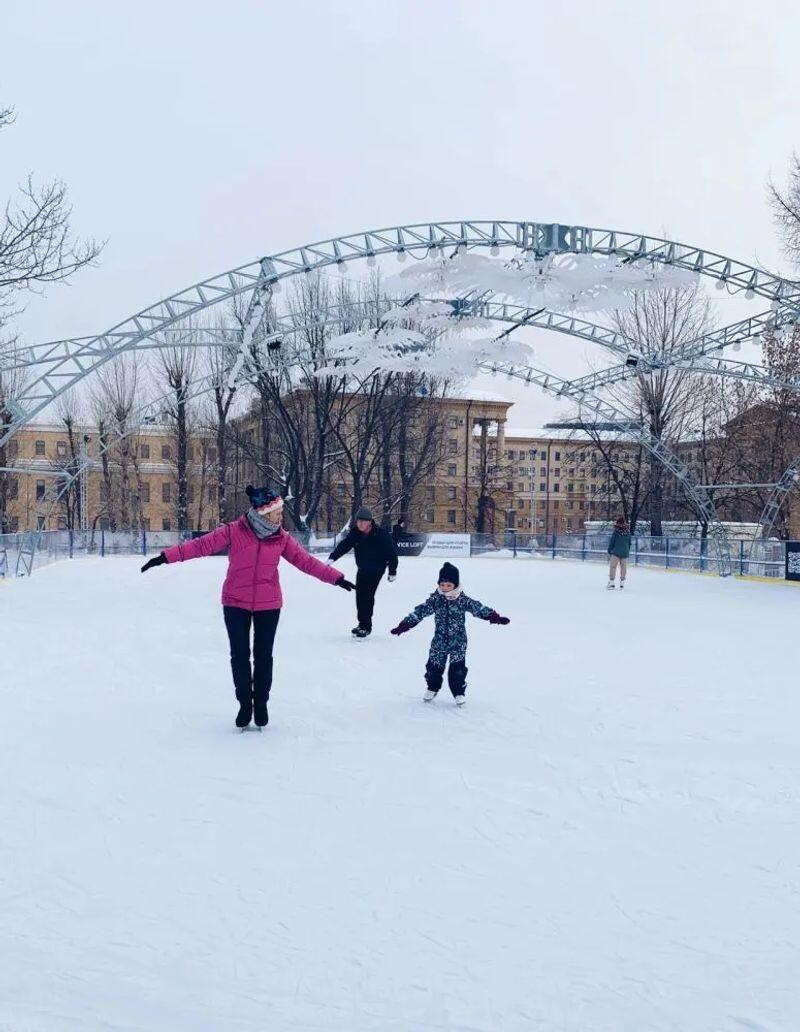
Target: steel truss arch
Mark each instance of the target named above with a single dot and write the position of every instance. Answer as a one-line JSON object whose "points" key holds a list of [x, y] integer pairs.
{"points": [[261, 278], [704, 504], [530, 374]]}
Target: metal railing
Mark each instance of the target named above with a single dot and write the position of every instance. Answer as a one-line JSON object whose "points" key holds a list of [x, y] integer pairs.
{"points": [[764, 559], [22, 553]]}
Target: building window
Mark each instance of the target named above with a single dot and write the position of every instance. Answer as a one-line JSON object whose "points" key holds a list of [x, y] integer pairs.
{"points": [[166, 451], [190, 453], [40, 523], [166, 494], [451, 515], [557, 456], [166, 524], [543, 471], [556, 488], [39, 490], [512, 454], [452, 422], [452, 447], [13, 448], [430, 494], [144, 451], [451, 470], [61, 449], [39, 447], [509, 485], [451, 494], [13, 488], [570, 487], [557, 472], [429, 516], [145, 523], [520, 504], [542, 487], [145, 489]]}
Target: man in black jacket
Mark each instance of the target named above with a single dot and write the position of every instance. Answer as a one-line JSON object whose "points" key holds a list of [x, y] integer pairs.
{"points": [[374, 551]]}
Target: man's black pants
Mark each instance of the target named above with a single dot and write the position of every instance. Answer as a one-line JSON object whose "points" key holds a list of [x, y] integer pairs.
{"points": [[252, 683], [366, 586]]}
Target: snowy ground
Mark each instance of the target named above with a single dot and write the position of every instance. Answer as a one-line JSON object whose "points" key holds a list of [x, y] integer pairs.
{"points": [[605, 839]]}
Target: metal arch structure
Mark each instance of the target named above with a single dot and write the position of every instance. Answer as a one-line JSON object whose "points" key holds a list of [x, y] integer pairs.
{"points": [[259, 280], [703, 503], [242, 373]]}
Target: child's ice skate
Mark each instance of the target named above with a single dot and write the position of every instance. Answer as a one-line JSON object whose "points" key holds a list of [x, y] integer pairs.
{"points": [[610, 586], [460, 700], [429, 696]]}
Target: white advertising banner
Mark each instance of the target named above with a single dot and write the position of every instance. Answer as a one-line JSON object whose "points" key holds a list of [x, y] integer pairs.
{"points": [[438, 545]]}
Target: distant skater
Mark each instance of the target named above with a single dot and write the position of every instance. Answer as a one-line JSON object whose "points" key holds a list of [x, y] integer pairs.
{"points": [[449, 606], [251, 594], [619, 548]]}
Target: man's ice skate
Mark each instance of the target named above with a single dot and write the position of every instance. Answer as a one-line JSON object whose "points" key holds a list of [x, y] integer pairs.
{"points": [[429, 696], [610, 586], [460, 700]]}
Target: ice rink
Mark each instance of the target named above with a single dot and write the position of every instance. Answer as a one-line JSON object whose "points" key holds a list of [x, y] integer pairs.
{"points": [[605, 839]]}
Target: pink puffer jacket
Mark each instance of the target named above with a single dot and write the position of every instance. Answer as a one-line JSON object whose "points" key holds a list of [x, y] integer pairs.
{"points": [[252, 581]]}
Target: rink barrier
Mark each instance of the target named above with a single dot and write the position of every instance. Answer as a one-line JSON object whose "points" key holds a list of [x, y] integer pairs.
{"points": [[25, 552]]}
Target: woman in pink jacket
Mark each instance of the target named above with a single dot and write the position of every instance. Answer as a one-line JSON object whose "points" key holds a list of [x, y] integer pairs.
{"points": [[252, 590]]}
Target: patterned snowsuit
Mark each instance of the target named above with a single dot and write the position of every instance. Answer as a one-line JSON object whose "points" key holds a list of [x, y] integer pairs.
{"points": [[449, 638]]}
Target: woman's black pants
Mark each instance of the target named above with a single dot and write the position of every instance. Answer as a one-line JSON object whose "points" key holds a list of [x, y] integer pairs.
{"points": [[251, 682]]}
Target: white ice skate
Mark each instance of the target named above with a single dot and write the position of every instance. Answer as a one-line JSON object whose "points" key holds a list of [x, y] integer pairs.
{"points": [[429, 696], [621, 585], [460, 700], [610, 586]]}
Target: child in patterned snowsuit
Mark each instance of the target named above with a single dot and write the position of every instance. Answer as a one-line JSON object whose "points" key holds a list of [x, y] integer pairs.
{"points": [[449, 606]]}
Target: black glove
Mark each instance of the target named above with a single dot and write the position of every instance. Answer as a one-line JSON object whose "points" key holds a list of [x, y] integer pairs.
{"points": [[157, 560], [346, 584], [497, 619]]}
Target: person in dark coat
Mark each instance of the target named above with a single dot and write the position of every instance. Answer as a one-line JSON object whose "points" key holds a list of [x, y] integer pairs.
{"points": [[449, 606], [375, 552], [619, 548], [398, 530]]}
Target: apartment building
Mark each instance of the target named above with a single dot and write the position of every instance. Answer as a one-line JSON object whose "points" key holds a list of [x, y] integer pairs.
{"points": [[134, 484], [556, 480]]}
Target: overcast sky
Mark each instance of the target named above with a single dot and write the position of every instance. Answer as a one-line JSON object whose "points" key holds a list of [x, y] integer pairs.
{"points": [[198, 136]]}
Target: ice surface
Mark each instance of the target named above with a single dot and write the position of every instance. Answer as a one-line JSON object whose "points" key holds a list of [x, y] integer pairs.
{"points": [[604, 840]]}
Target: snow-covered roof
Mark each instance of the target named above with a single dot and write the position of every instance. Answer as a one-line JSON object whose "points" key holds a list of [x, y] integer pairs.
{"points": [[543, 433], [473, 394]]}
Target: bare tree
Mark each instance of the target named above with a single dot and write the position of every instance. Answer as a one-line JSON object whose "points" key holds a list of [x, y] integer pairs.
{"points": [[178, 366], [12, 382], [37, 246], [662, 400], [116, 393], [785, 204]]}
